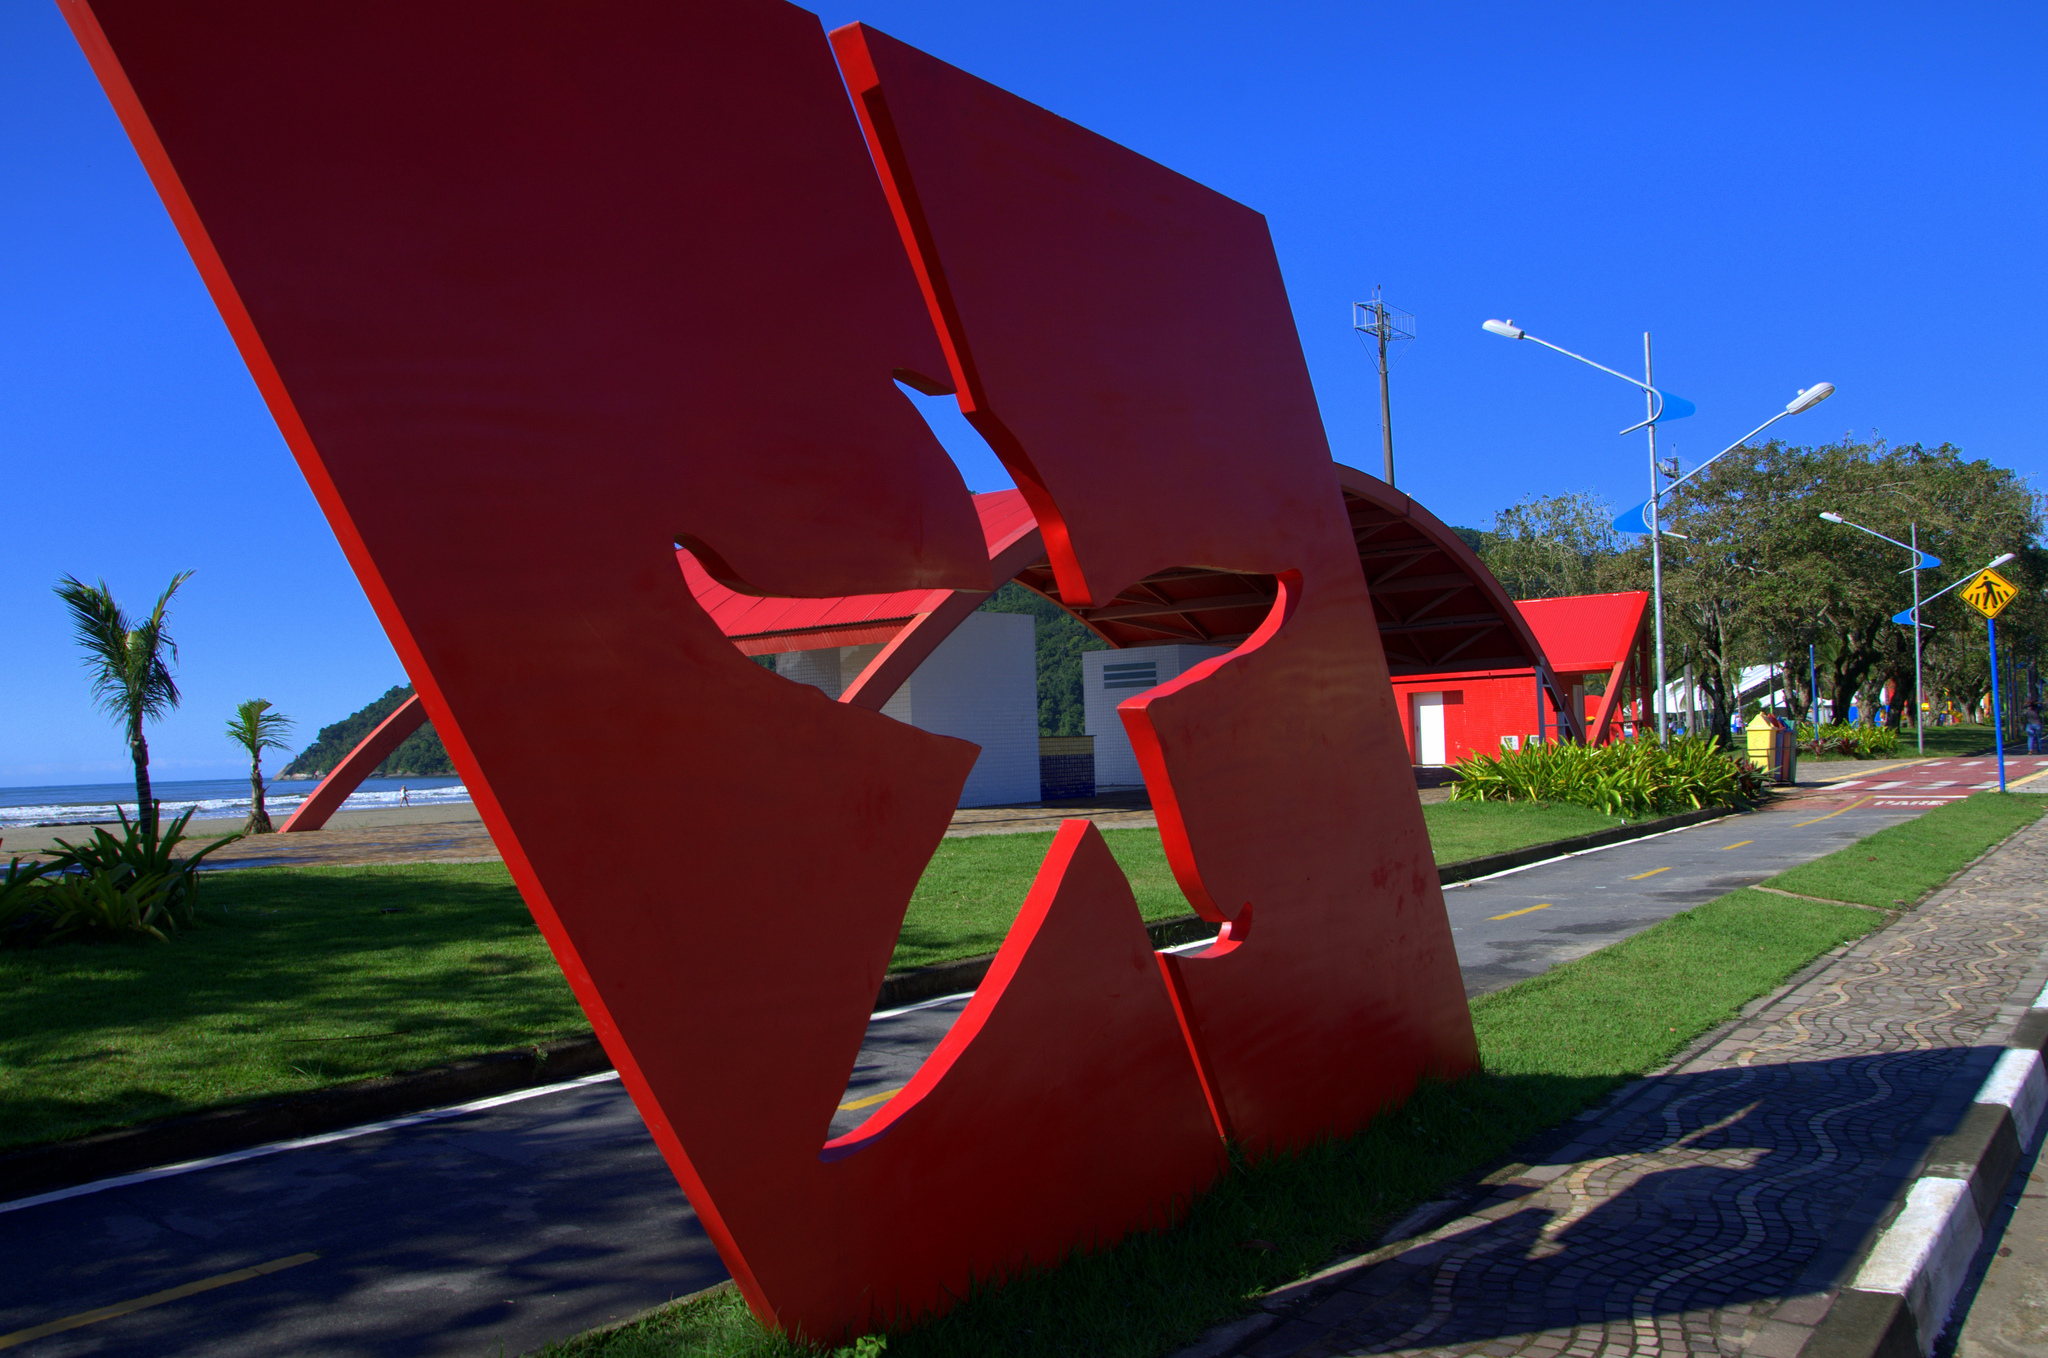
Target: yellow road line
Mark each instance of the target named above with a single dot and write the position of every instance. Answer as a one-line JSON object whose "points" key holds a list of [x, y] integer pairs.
{"points": [[1651, 873], [871, 1100], [122, 1308], [1525, 910], [1832, 814], [2028, 779], [1736, 845]]}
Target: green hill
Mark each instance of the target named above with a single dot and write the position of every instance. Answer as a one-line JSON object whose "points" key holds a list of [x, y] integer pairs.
{"points": [[1061, 639], [421, 755]]}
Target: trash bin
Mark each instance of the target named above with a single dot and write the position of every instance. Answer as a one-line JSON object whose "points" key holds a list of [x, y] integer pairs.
{"points": [[1773, 747]]}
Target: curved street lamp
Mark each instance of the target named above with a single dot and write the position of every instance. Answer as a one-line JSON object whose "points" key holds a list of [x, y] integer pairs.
{"points": [[1921, 562], [1661, 405]]}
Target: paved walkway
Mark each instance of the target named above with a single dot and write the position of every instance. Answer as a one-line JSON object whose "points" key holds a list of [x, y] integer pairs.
{"points": [[1710, 1209]]}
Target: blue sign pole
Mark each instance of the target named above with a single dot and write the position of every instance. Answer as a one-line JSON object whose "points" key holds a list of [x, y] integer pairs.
{"points": [[1997, 726], [1813, 693]]}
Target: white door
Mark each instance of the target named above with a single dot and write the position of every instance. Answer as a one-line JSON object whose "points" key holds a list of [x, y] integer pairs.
{"points": [[1429, 728]]}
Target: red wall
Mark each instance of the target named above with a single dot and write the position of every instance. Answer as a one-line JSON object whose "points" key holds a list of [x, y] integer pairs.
{"points": [[1478, 709]]}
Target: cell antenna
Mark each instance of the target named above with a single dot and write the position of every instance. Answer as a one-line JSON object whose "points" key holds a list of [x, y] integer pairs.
{"points": [[1381, 324]]}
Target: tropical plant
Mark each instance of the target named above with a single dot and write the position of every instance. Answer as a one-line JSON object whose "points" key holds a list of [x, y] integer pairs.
{"points": [[144, 853], [105, 905], [1849, 740], [131, 679], [256, 728], [1623, 778], [20, 897]]}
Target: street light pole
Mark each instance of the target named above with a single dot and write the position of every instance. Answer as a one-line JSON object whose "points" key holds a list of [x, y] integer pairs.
{"points": [[1656, 535], [1919, 702], [1921, 560], [1662, 405], [1658, 405]]}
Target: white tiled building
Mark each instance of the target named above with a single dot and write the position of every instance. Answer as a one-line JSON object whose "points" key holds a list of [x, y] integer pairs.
{"points": [[979, 684], [1109, 677]]}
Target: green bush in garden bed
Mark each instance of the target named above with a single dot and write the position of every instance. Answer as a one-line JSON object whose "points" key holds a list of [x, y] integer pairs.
{"points": [[1634, 778], [1840, 740]]}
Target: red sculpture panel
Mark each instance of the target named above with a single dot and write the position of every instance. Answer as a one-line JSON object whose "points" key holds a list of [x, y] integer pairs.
{"points": [[1122, 337], [540, 293]]}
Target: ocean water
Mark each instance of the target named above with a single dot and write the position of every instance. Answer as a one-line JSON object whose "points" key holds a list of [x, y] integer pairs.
{"points": [[211, 798]]}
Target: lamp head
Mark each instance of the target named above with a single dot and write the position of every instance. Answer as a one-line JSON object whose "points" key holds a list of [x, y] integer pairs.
{"points": [[1505, 329], [1832, 517], [1810, 397], [1998, 561]]}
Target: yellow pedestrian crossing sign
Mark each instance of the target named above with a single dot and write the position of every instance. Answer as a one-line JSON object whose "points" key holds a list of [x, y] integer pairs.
{"points": [[1989, 593]]}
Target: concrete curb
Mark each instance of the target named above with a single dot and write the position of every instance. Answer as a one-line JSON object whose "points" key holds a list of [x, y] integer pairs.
{"points": [[1903, 1289], [197, 1136]]}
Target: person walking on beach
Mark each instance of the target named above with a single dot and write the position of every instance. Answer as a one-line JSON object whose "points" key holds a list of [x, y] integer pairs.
{"points": [[404, 795]]}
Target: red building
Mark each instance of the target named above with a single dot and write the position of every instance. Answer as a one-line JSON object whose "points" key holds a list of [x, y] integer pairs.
{"points": [[1588, 640]]}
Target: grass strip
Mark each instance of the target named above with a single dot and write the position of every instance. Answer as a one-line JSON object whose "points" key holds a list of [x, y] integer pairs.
{"points": [[308, 977], [311, 977], [1552, 1046], [1899, 865]]}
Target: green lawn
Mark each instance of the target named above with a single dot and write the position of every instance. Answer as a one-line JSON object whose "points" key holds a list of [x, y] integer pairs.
{"points": [[1898, 866], [304, 977], [1461, 830], [313, 976], [1552, 1046]]}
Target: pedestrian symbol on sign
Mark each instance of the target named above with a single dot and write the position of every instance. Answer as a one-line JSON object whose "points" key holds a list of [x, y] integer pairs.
{"points": [[1989, 593]]}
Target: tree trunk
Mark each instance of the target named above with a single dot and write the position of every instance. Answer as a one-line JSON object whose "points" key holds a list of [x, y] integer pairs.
{"points": [[259, 819], [138, 750]]}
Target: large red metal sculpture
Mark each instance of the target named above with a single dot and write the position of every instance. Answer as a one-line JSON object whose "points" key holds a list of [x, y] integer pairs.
{"points": [[1121, 337], [540, 293]]}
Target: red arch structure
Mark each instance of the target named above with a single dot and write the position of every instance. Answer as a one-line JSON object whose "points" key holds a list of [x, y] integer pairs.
{"points": [[1440, 611], [345, 777]]}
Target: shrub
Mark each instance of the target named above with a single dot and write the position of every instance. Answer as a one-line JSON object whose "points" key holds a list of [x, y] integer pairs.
{"points": [[1624, 778], [1846, 741], [105, 888]]}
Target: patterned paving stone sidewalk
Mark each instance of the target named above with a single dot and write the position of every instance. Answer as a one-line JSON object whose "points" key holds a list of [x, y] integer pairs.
{"points": [[1712, 1209]]}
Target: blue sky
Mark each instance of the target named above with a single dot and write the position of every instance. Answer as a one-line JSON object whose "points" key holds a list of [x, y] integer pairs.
{"points": [[1781, 194]]}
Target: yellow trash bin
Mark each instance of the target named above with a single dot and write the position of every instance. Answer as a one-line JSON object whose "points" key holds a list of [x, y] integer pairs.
{"points": [[1773, 747]]}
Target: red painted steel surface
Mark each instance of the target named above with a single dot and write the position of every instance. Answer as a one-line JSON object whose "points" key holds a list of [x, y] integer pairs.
{"points": [[539, 293], [1587, 633], [358, 764], [1603, 634], [1121, 337]]}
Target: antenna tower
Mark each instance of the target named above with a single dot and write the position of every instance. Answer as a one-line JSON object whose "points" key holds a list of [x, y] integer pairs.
{"points": [[1382, 324]]}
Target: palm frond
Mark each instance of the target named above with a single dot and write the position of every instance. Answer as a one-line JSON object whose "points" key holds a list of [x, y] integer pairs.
{"points": [[257, 727], [101, 629]]}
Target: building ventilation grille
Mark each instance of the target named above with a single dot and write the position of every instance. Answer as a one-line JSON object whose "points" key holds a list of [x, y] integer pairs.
{"points": [[1142, 674]]}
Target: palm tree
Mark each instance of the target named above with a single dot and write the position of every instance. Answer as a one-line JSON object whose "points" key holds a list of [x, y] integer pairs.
{"points": [[256, 728], [131, 680]]}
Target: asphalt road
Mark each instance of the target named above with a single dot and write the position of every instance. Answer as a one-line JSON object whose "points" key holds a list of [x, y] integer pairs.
{"points": [[494, 1230], [1514, 925]]}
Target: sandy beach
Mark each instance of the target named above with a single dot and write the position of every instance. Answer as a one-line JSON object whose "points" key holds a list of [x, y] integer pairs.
{"points": [[409, 834], [455, 833]]}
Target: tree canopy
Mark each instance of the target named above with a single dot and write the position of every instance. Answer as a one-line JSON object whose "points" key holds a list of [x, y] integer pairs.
{"points": [[1759, 576]]}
